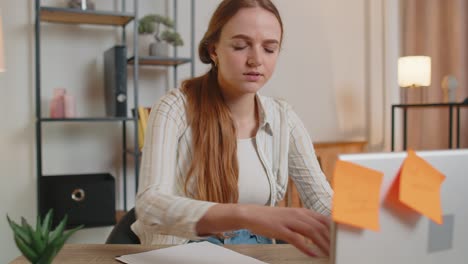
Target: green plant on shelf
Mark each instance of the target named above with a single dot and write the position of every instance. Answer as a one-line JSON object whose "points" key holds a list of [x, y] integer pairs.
{"points": [[40, 246], [151, 24]]}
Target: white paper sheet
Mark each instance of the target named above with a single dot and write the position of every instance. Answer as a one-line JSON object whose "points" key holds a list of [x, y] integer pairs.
{"points": [[192, 253]]}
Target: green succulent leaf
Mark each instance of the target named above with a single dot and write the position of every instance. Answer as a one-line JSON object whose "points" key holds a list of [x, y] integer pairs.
{"points": [[25, 249], [46, 225], [61, 240], [40, 245], [48, 254], [36, 241], [19, 231], [24, 223], [56, 244], [59, 229]]}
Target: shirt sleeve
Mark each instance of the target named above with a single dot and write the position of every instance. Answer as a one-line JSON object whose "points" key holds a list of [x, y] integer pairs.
{"points": [[304, 169], [160, 206]]}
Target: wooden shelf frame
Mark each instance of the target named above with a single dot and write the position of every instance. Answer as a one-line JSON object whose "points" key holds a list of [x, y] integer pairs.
{"points": [[159, 61], [91, 17]]}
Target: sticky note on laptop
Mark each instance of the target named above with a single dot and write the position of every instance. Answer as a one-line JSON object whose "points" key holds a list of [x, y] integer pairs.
{"points": [[356, 195], [419, 187]]}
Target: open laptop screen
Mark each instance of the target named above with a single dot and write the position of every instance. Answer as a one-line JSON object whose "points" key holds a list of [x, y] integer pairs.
{"points": [[405, 236]]}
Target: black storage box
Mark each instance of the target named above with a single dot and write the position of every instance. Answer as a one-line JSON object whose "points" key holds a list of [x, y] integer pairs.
{"points": [[87, 199]]}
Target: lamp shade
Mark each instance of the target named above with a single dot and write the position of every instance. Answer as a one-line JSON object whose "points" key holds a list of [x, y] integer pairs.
{"points": [[2, 55], [414, 71]]}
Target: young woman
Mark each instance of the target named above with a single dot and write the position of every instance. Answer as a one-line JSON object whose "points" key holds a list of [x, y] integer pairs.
{"points": [[217, 155]]}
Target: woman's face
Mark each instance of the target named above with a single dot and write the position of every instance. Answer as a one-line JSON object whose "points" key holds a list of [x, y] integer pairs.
{"points": [[247, 51]]}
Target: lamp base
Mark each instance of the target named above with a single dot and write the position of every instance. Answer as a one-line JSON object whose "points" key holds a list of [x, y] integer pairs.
{"points": [[413, 95], [403, 95]]}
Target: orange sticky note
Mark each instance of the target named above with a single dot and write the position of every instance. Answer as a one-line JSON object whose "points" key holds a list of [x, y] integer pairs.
{"points": [[392, 199], [420, 187], [356, 195]]}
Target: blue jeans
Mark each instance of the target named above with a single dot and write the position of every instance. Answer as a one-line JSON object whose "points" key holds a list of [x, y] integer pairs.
{"points": [[242, 236]]}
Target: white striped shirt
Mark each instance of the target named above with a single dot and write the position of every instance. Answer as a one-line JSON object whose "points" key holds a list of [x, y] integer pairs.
{"points": [[166, 215]]}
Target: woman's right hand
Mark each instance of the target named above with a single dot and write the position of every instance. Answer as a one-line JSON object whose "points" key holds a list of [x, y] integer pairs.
{"points": [[288, 224]]}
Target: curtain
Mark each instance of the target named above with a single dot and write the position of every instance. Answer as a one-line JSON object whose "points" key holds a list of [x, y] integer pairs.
{"points": [[439, 29]]}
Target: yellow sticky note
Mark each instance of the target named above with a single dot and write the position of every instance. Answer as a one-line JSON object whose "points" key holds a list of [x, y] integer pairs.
{"points": [[420, 187], [356, 195]]}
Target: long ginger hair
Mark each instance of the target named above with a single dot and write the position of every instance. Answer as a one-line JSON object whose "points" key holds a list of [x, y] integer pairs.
{"points": [[214, 167]]}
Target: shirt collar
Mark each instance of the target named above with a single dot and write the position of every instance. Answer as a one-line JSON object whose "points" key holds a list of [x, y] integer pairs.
{"points": [[264, 115]]}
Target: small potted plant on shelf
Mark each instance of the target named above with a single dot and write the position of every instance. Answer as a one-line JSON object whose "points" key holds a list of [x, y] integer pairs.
{"points": [[40, 246], [151, 24], [81, 4]]}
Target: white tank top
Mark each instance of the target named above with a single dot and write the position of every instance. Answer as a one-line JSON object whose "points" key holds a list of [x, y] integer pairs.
{"points": [[254, 187]]}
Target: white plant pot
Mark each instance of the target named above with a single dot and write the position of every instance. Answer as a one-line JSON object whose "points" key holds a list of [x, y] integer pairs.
{"points": [[160, 49], [144, 42]]}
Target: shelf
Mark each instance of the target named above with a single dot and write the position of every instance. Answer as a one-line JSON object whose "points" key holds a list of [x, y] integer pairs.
{"points": [[90, 119], [430, 105], [132, 152], [78, 16], [159, 61], [112, 19]]}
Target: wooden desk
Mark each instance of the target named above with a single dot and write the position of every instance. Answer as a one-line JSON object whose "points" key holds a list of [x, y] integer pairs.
{"points": [[105, 254]]}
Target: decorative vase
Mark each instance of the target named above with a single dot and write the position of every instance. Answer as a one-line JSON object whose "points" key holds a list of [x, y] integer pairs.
{"points": [[57, 104], [449, 87], [160, 49], [144, 42], [69, 106], [82, 4]]}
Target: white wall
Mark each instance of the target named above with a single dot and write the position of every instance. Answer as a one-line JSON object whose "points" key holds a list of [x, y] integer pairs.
{"points": [[321, 67], [383, 50], [334, 69], [17, 180], [321, 72]]}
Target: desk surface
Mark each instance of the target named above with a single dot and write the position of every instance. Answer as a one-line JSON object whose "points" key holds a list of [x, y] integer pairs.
{"points": [[80, 253]]}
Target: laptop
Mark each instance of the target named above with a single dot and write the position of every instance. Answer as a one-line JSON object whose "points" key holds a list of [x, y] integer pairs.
{"points": [[405, 236]]}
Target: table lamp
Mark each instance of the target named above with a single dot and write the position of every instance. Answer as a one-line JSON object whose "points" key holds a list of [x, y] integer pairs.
{"points": [[2, 57], [413, 72]]}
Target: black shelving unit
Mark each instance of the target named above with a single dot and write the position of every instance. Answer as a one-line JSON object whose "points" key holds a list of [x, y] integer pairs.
{"points": [[46, 14], [175, 60], [78, 16], [93, 119], [159, 61], [450, 108]]}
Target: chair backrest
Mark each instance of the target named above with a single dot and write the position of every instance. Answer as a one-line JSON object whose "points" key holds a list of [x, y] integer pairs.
{"points": [[121, 233]]}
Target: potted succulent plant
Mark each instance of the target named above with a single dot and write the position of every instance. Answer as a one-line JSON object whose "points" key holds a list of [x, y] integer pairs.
{"points": [[40, 246], [82, 4], [151, 24]]}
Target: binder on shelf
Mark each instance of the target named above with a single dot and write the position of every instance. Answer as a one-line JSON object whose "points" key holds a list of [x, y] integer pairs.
{"points": [[115, 81]]}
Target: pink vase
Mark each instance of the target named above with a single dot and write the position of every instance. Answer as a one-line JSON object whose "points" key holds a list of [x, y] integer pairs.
{"points": [[57, 104], [70, 109]]}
